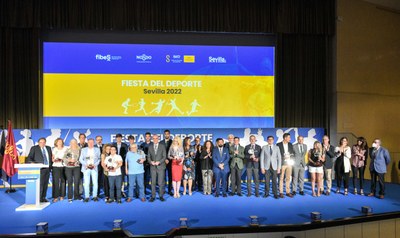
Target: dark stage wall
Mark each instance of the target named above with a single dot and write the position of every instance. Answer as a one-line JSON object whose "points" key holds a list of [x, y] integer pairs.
{"points": [[304, 30]]}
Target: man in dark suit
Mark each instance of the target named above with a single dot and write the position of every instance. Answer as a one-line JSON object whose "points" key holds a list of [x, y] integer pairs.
{"points": [[221, 166], [100, 182], [122, 149], [270, 162], [300, 150], [252, 154], [328, 164], [42, 154], [236, 152], [167, 142], [156, 157], [287, 152]]}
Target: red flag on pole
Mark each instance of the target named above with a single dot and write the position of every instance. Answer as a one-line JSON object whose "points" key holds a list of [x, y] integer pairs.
{"points": [[10, 153]]}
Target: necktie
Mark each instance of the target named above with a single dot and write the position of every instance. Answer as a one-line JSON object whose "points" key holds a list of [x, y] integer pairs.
{"points": [[270, 150], [301, 148], [155, 148], [46, 161], [220, 151]]}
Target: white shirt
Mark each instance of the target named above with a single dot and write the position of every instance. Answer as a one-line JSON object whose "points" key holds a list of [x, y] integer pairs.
{"points": [[114, 163], [59, 154], [285, 148], [90, 154]]}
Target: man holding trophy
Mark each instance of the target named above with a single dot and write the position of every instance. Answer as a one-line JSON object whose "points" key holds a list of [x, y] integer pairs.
{"points": [[287, 154], [113, 167], [252, 154], [90, 159]]}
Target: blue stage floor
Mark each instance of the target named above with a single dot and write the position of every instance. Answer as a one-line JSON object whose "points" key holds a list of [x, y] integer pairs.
{"points": [[202, 211]]}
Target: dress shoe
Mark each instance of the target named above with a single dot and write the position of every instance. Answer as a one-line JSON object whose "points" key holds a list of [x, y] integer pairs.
{"points": [[162, 199], [129, 200], [248, 195], [70, 200], [119, 201], [96, 199], [281, 195], [266, 195], [86, 200], [232, 194], [257, 195], [171, 194], [301, 193], [289, 195], [152, 199], [143, 199], [240, 194], [276, 196], [44, 200], [381, 196], [371, 195], [216, 195], [294, 193], [225, 195], [110, 200]]}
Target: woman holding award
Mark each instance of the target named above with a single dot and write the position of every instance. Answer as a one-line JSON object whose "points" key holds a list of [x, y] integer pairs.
{"points": [[188, 165], [58, 170], [342, 165], [113, 167], [175, 154], [135, 171], [72, 169], [206, 166], [106, 186], [315, 166]]}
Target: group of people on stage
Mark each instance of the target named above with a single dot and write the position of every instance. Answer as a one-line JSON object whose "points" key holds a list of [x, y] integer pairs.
{"points": [[88, 165]]}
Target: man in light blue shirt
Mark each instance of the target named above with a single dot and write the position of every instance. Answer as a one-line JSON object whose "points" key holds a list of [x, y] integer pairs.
{"points": [[135, 171], [380, 158], [90, 159]]}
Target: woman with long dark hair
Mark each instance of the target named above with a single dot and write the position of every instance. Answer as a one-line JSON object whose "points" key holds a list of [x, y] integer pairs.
{"points": [[206, 166], [359, 153], [342, 165]]}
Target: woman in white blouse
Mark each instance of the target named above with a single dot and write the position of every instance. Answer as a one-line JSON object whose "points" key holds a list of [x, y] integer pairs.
{"points": [[58, 170], [342, 165]]}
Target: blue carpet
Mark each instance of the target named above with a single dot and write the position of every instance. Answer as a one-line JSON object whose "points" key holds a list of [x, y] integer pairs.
{"points": [[202, 211]]}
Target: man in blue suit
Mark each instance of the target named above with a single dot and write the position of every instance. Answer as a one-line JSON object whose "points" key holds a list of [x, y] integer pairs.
{"points": [[380, 158], [90, 159], [221, 166]]}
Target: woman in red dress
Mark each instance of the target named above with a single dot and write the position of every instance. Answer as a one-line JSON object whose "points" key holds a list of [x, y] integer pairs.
{"points": [[176, 155]]}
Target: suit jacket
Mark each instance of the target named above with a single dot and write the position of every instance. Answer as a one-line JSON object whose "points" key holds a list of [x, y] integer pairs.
{"points": [[218, 159], [282, 150], [36, 155], [160, 155], [379, 160], [123, 150], [299, 157], [330, 157], [238, 158], [257, 153], [84, 154], [100, 147], [167, 144], [266, 159]]}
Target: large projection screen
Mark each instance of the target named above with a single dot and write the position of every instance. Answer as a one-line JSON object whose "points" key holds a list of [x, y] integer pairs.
{"points": [[133, 83]]}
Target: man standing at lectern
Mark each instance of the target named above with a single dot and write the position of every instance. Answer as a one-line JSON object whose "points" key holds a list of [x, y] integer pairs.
{"points": [[42, 154]]}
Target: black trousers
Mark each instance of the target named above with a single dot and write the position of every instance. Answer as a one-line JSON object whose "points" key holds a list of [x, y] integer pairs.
{"points": [[360, 172], [250, 173], [106, 185], [73, 175], [198, 176], [44, 182], [58, 182], [236, 180], [268, 174], [380, 178], [340, 174]]}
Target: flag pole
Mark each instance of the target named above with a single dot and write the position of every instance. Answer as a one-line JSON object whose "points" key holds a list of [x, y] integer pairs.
{"points": [[11, 189]]}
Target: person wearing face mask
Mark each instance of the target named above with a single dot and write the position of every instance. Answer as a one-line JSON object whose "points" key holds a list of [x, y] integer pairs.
{"points": [[380, 159]]}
